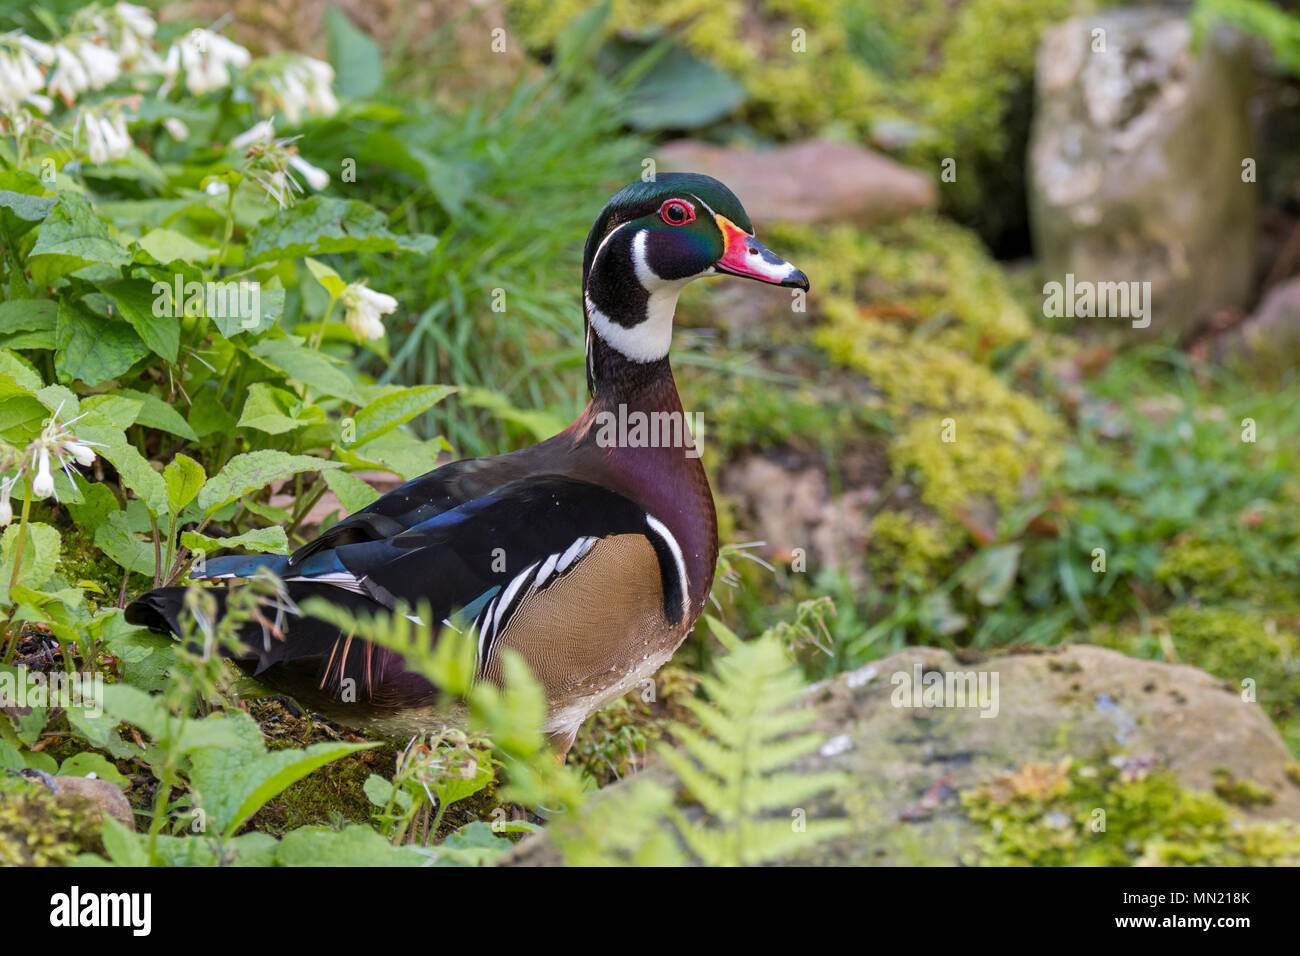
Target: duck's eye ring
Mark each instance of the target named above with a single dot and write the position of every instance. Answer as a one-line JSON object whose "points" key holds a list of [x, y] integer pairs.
{"points": [[677, 212]]}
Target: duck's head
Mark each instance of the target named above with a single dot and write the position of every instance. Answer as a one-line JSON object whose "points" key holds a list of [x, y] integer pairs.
{"points": [[649, 241]]}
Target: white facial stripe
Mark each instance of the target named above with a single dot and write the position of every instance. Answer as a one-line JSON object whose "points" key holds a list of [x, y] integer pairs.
{"points": [[659, 528], [777, 272]]}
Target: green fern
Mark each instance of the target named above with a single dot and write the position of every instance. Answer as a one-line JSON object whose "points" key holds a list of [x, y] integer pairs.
{"points": [[733, 764]]}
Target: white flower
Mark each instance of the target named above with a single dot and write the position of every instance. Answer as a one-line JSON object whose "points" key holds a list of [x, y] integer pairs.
{"points": [[106, 137], [216, 188], [70, 77], [316, 177], [176, 128], [205, 56], [365, 309], [136, 19], [6, 509], [103, 66], [43, 486], [262, 132], [81, 451]]}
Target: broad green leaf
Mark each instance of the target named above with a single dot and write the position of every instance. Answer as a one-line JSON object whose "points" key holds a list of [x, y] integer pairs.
{"points": [[353, 493], [22, 204], [93, 349], [389, 411], [19, 684], [20, 372], [115, 539], [399, 452], [322, 225], [72, 236], [246, 309], [320, 372], [166, 245], [354, 845], [253, 471], [276, 410], [124, 847], [132, 467], [125, 703], [184, 477], [157, 413], [358, 66], [41, 549], [84, 764], [150, 313], [326, 276], [260, 540], [106, 411], [28, 315]]}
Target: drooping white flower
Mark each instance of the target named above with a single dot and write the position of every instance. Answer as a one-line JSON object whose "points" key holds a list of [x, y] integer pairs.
{"points": [[103, 65], [205, 56], [262, 132], [70, 77], [6, 508], [365, 309], [43, 485], [316, 177], [106, 135], [176, 128]]}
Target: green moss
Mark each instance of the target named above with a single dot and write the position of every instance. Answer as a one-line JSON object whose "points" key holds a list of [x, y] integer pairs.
{"points": [[39, 828], [1240, 793], [903, 547], [1096, 814]]}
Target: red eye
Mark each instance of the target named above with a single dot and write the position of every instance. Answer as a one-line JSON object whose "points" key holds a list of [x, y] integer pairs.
{"points": [[677, 212]]}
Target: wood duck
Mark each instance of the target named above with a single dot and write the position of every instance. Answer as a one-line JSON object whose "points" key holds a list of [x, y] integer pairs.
{"points": [[591, 554]]}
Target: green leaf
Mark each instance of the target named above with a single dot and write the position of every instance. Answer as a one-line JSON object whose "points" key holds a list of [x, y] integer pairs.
{"points": [[354, 845], [260, 540], [389, 411], [140, 305], [276, 410], [991, 573], [358, 66], [399, 452], [28, 315], [114, 538], [84, 764], [157, 413], [124, 847], [264, 305], [132, 467], [320, 372], [353, 493], [680, 91], [166, 245], [184, 477], [72, 236], [93, 349], [327, 277], [20, 372], [378, 790], [322, 225], [252, 472], [41, 549], [21, 204]]}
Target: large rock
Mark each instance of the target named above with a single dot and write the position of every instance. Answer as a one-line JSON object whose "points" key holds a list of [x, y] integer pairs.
{"points": [[1136, 162], [1084, 703], [1270, 338], [812, 181]]}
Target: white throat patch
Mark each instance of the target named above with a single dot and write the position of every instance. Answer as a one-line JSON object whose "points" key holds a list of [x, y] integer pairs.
{"points": [[649, 340]]}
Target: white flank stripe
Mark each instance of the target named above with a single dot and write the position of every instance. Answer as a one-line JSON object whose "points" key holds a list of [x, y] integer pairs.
{"points": [[659, 528]]}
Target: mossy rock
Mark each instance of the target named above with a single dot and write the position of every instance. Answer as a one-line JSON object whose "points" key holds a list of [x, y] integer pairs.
{"points": [[1088, 757]]}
